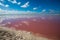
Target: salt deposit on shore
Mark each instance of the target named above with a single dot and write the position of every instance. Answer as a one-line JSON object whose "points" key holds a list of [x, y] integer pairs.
{"points": [[11, 34]]}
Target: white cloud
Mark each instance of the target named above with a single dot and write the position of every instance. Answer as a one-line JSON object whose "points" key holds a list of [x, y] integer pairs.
{"points": [[43, 10], [25, 12], [52, 11], [35, 8], [1, 4], [25, 5], [18, 14], [14, 12], [14, 1], [49, 12], [2, 0], [19, 3], [6, 5], [9, 0]]}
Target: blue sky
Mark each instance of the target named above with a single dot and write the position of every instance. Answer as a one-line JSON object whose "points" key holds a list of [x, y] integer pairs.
{"points": [[30, 5]]}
